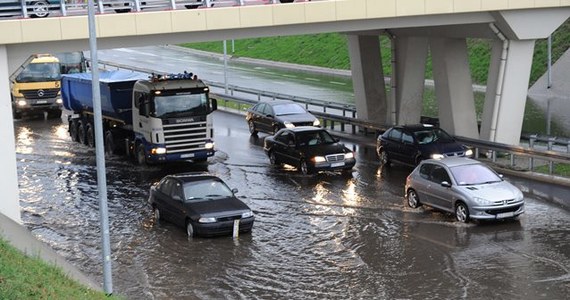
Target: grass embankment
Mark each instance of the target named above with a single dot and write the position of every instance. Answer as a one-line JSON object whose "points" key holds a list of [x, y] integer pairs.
{"points": [[22, 277]]}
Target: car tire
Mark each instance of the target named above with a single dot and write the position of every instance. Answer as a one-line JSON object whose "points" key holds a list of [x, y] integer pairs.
{"points": [[156, 215], [383, 157], [141, 156], [251, 127], [275, 129], [272, 159], [413, 199], [461, 212], [304, 167], [190, 229]]}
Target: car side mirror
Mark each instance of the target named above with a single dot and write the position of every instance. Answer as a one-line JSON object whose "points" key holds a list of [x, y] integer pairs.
{"points": [[336, 140], [269, 116], [445, 184], [177, 198], [214, 104], [234, 190]]}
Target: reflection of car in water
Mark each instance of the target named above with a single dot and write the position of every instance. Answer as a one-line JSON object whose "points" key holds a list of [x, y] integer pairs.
{"points": [[36, 86], [34, 8]]}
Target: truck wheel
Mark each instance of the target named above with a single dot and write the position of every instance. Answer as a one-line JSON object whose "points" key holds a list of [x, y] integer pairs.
{"points": [[81, 135], [90, 135], [110, 147], [141, 156], [16, 115], [73, 130]]}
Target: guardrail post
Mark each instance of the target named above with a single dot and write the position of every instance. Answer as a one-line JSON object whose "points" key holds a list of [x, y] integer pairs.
{"points": [[568, 146], [173, 4], [24, 8], [494, 155], [100, 7], [531, 141], [551, 141], [342, 126], [512, 159], [138, 5], [476, 153], [63, 8]]}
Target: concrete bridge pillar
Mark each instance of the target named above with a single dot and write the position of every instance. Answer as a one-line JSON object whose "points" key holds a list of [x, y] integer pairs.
{"points": [[411, 55], [10, 201], [368, 78], [453, 86], [505, 99]]}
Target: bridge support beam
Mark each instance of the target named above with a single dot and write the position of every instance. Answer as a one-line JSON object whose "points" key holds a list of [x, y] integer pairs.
{"points": [[10, 203], [411, 55], [368, 78], [503, 112], [453, 86]]}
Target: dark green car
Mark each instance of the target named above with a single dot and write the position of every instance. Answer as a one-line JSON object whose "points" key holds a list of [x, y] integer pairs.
{"points": [[34, 8]]}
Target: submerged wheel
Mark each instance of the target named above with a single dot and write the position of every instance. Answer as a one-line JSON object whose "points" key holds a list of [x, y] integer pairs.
{"points": [[413, 199], [275, 129], [156, 215], [141, 156], [383, 156], [73, 130], [304, 168], [81, 133], [90, 135], [110, 147], [272, 159], [189, 229], [461, 212], [251, 127]]}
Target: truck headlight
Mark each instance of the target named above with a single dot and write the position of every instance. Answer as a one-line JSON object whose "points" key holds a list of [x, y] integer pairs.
{"points": [[288, 124], [22, 103], [58, 101], [316, 122], [319, 159], [437, 156], [209, 145], [158, 151], [207, 220]]}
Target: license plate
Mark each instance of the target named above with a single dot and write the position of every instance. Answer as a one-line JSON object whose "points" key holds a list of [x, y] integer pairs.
{"points": [[41, 102], [505, 215], [338, 164], [187, 155]]}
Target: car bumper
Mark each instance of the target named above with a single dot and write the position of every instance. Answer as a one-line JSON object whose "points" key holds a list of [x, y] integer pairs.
{"points": [[495, 213], [223, 228], [347, 164]]}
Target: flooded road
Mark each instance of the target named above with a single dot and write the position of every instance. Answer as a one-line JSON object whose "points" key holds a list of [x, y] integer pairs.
{"points": [[329, 236]]}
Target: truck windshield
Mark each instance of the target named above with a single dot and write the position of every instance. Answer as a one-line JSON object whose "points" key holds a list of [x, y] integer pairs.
{"points": [[181, 105], [38, 72], [72, 62]]}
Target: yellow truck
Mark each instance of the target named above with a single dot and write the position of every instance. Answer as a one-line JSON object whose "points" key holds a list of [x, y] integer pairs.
{"points": [[35, 86]]}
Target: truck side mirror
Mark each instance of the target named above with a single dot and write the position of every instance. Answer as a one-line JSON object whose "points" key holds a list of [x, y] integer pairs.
{"points": [[214, 104]]}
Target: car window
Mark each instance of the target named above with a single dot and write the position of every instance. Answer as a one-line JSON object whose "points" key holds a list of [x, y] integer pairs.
{"points": [[267, 110], [425, 136], [285, 137], [176, 190], [166, 186], [439, 174], [425, 170], [407, 138], [474, 174], [206, 190], [259, 108], [395, 134], [288, 109]]}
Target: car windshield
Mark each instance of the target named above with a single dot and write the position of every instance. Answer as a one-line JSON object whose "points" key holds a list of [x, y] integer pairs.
{"points": [[206, 190], [288, 109], [315, 138], [432, 135], [474, 174]]}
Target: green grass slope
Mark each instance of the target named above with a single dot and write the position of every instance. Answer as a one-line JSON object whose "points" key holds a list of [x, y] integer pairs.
{"points": [[330, 50]]}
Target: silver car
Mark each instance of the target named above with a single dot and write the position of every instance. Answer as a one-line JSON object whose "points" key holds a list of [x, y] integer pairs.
{"points": [[465, 187]]}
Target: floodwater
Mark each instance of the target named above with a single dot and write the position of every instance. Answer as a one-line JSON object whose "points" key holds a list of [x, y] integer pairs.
{"points": [[328, 236]]}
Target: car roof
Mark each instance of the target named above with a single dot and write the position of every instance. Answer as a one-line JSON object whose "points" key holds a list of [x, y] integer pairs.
{"points": [[277, 102], [305, 129], [416, 127], [194, 176], [453, 161]]}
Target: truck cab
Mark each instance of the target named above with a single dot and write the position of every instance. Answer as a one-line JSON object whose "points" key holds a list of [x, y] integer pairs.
{"points": [[35, 86]]}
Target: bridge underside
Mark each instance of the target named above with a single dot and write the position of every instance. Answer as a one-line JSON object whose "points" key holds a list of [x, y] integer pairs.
{"points": [[512, 37]]}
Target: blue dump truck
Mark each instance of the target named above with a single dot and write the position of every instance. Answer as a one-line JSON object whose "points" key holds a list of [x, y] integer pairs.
{"points": [[153, 119]]}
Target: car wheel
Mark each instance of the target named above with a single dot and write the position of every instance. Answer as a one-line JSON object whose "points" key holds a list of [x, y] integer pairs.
{"points": [[141, 156], [156, 215], [461, 212], [252, 129], [189, 229], [40, 9], [383, 156], [275, 129], [413, 199], [304, 168], [272, 159]]}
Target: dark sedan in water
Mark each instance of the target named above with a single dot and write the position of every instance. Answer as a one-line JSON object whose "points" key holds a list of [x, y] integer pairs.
{"points": [[308, 148], [202, 203], [271, 116]]}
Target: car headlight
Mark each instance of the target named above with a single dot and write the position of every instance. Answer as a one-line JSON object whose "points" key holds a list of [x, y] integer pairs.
{"points": [[247, 214], [348, 155], [22, 103], [209, 145], [207, 220], [519, 196], [316, 122], [288, 124], [481, 201], [437, 156], [469, 152], [319, 159], [158, 150]]}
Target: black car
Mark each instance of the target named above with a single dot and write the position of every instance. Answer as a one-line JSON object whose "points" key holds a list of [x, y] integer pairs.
{"points": [[271, 116], [410, 144], [308, 148], [202, 203]]}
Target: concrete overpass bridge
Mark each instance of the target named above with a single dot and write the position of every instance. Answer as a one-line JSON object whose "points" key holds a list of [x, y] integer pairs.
{"points": [[414, 26]]}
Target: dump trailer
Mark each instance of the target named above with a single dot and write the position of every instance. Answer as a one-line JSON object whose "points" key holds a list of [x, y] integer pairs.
{"points": [[153, 119]]}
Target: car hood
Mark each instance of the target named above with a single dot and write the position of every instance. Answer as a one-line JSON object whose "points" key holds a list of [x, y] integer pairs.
{"points": [[217, 207], [493, 191], [443, 147], [296, 118], [325, 149]]}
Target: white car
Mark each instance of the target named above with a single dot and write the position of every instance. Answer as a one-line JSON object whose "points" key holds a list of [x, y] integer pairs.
{"points": [[465, 187]]}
